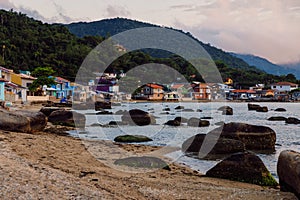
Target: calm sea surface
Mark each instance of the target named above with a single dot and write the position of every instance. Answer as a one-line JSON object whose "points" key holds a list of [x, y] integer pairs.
{"points": [[288, 135]]}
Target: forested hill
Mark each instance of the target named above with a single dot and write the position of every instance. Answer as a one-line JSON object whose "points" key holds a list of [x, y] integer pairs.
{"points": [[108, 27], [27, 43]]}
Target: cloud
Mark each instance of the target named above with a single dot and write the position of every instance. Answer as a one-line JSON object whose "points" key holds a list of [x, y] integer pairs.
{"points": [[61, 17], [261, 27], [117, 11], [6, 4]]}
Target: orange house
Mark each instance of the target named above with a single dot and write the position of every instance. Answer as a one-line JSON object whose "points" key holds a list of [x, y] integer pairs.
{"points": [[201, 91]]}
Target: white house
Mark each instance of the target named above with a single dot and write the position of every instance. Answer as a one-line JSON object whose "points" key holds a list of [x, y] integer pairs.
{"points": [[284, 86]]}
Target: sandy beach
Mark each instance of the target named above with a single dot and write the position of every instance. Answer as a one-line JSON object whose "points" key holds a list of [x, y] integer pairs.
{"points": [[50, 166]]}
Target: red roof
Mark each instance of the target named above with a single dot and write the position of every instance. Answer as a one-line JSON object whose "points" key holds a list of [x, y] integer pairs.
{"points": [[176, 86], [61, 80], [285, 83], [24, 76], [155, 86], [243, 91], [3, 80]]}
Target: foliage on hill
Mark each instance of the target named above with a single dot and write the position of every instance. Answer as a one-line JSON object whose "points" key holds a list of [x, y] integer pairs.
{"points": [[30, 43]]}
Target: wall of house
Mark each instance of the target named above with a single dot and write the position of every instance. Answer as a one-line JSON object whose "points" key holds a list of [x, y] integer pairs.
{"points": [[26, 82], [2, 96], [16, 79], [38, 98], [11, 97]]}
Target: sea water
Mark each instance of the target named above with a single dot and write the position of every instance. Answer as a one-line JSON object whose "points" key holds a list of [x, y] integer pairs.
{"points": [[287, 135]]}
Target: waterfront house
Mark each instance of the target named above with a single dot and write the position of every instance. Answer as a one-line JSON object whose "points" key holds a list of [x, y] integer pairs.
{"points": [[201, 91], [243, 94], [106, 83], [2, 85], [284, 86], [61, 88], [151, 92], [6, 73]]}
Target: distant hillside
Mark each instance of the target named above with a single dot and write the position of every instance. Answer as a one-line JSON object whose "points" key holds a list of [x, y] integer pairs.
{"points": [[113, 26], [269, 67], [30, 43]]}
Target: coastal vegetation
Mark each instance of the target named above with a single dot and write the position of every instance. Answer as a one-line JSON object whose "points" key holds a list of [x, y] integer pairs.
{"points": [[27, 44]]}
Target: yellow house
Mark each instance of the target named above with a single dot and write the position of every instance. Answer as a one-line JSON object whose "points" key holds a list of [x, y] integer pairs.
{"points": [[22, 80]]}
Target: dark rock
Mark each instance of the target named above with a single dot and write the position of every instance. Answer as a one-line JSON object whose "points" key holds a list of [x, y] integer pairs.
{"points": [[187, 110], [164, 113], [96, 125], [181, 119], [254, 137], [280, 110], [220, 123], [277, 118], [214, 147], [288, 170], [116, 104], [132, 138], [262, 109], [206, 118], [121, 112], [138, 117], [143, 162], [166, 109], [22, 121], [292, 120], [198, 110], [179, 108], [228, 111], [116, 123], [99, 105], [173, 123], [243, 167], [253, 106], [196, 122], [222, 108], [67, 118], [48, 110]]}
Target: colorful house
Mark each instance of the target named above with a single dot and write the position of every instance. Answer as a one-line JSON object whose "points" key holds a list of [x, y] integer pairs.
{"points": [[61, 89], [2, 85], [151, 92], [284, 86], [201, 91]]}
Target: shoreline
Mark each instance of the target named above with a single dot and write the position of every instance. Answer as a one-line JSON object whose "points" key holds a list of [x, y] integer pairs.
{"points": [[71, 170]]}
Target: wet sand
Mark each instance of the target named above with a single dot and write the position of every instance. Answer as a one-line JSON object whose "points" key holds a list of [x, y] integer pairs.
{"points": [[50, 166]]}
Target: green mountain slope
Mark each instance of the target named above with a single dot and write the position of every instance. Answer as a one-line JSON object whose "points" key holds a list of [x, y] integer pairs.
{"points": [[27, 43], [117, 25], [267, 66]]}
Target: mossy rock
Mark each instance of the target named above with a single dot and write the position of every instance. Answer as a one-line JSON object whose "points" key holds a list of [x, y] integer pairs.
{"points": [[243, 167], [132, 138], [143, 162]]}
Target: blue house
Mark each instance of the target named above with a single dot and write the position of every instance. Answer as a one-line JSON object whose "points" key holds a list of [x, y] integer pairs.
{"points": [[61, 89], [2, 85]]}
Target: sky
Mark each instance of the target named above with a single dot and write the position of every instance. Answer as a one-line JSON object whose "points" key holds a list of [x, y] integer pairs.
{"points": [[266, 28]]}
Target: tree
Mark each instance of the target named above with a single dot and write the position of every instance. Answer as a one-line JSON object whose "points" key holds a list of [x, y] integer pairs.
{"points": [[43, 75]]}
